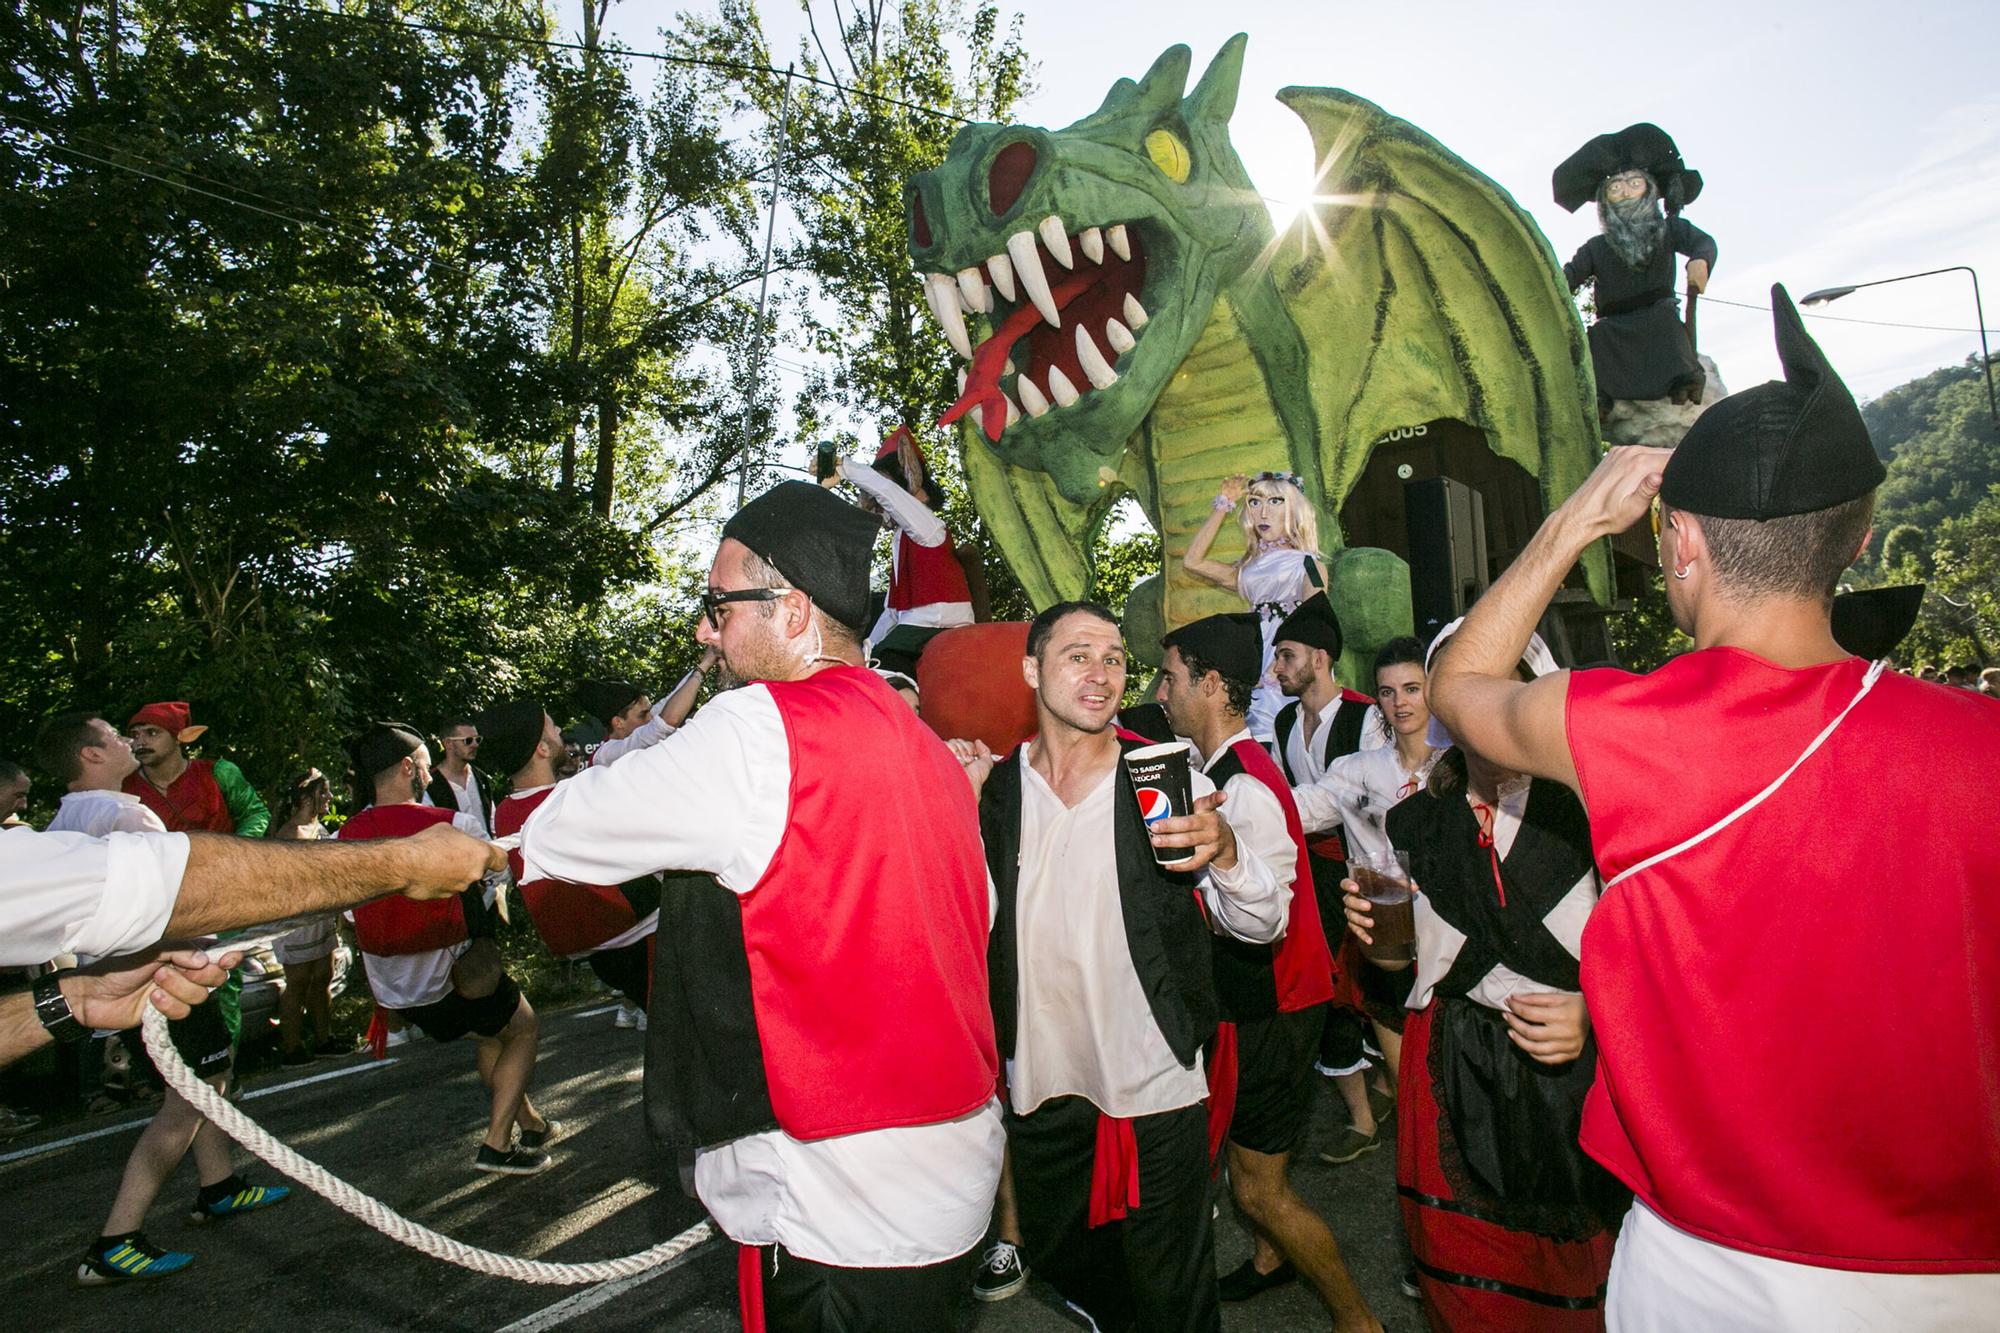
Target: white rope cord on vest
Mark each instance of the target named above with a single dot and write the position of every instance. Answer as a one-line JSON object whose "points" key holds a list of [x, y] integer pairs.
{"points": [[390, 1223]]}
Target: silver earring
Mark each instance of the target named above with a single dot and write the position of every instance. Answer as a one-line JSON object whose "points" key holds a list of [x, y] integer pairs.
{"points": [[1680, 573]]}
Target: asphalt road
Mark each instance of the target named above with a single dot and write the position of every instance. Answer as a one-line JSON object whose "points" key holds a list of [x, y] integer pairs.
{"points": [[405, 1130]]}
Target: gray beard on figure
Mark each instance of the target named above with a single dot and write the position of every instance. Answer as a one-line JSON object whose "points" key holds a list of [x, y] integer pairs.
{"points": [[1636, 228]]}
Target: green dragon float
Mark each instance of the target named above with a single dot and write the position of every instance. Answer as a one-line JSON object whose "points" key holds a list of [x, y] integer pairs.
{"points": [[1137, 326]]}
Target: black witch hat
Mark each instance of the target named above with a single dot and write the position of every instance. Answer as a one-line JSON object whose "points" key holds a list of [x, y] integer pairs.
{"points": [[1870, 623], [1784, 447], [1645, 147]]}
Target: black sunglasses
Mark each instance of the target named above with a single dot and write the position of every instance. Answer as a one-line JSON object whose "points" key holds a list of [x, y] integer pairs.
{"points": [[712, 601]]}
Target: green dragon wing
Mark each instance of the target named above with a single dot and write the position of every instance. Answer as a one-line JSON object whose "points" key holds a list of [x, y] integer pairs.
{"points": [[1471, 321]]}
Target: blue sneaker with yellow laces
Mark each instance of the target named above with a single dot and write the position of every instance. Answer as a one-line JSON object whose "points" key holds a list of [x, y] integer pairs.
{"points": [[228, 1197], [112, 1260]]}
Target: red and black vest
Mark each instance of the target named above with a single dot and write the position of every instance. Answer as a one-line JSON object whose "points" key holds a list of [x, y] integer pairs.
{"points": [[396, 926], [1166, 926], [572, 919], [192, 802], [1255, 981], [926, 575], [846, 990], [1728, 984]]}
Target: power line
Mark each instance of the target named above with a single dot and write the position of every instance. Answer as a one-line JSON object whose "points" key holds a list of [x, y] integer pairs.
{"points": [[555, 43], [1847, 319]]}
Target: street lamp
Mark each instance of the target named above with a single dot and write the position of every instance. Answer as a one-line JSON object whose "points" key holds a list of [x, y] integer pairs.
{"points": [[1826, 294]]}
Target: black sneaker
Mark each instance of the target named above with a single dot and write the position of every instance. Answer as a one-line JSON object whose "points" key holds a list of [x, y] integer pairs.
{"points": [[1245, 1281], [293, 1059], [1001, 1273], [537, 1139], [516, 1162], [1350, 1145], [130, 1259]]}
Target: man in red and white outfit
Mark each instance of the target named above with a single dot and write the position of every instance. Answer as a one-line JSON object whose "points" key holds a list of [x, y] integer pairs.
{"points": [[1750, 924], [820, 1034], [928, 588], [1272, 997]]}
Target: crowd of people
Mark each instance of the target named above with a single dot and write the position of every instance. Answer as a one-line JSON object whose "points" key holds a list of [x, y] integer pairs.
{"points": [[924, 1014]]}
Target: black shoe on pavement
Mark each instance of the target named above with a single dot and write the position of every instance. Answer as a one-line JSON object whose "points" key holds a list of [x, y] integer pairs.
{"points": [[516, 1162], [537, 1139], [1246, 1281], [293, 1059], [1001, 1273]]}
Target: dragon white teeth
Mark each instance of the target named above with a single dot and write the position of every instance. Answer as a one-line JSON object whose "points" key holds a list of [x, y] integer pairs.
{"points": [[1054, 237], [1001, 269], [1028, 268], [941, 290], [1135, 314], [1121, 244], [1092, 244], [961, 381], [1013, 410], [1119, 337], [1007, 367], [1102, 376], [1060, 388], [1031, 397], [973, 288]]}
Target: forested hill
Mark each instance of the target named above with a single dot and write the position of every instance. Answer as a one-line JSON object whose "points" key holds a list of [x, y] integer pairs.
{"points": [[1938, 437]]}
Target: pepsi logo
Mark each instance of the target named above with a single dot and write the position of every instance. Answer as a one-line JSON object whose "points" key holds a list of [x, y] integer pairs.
{"points": [[1154, 805]]}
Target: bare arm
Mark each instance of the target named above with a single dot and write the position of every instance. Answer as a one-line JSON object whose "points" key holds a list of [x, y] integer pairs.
{"points": [[113, 994], [1472, 686], [674, 711], [1196, 561], [234, 882]]}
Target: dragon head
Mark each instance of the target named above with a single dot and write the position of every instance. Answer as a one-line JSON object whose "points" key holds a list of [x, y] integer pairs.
{"points": [[1093, 255]]}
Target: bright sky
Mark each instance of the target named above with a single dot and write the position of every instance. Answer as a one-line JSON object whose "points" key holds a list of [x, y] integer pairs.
{"points": [[1841, 142]]}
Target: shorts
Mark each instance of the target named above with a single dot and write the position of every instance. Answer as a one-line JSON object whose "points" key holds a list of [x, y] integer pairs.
{"points": [[1386, 995], [454, 1016], [202, 1040], [307, 944], [1274, 1080]]}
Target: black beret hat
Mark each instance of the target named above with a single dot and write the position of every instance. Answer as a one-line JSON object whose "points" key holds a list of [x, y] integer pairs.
{"points": [[819, 542], [606, 699], [383, 745], [1644, 147], [1231, 644], [1782, 448], [508, 735], [1871, 622], [1313, 624]]}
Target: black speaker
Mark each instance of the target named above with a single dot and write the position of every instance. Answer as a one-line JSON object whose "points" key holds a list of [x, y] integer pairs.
{"points": [[1448, 556]]}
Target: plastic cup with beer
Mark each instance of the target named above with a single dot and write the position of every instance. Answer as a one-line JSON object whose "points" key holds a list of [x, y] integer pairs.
{"points": [[1160, 779], [1384, 880]]}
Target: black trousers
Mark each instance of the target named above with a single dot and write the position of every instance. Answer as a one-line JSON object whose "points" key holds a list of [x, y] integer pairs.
{"points": [[1155, 1269], [801, 1296], [626, 969]]}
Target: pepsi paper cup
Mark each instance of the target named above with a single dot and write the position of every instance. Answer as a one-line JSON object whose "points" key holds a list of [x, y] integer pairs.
{"points": [[1160, 777]]}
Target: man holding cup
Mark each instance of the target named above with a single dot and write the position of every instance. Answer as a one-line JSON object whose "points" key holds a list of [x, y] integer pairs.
{"points": [[1751, 926], [1102, 989]]}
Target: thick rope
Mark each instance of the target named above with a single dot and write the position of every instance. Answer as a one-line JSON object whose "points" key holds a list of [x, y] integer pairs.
{"points": [[345, 1197]]}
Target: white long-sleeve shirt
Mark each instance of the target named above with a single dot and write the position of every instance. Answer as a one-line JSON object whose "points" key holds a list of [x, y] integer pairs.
{"points": [[1083, 1026], [716, 797], [647, 734], [915, 520], [72, 893], [1355, 793]]}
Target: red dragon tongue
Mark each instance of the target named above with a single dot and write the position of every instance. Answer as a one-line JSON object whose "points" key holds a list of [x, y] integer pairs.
{"points": [[989, 359], [982, 382]]}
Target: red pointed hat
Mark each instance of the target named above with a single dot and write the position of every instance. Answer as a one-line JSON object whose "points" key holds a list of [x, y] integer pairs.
{"points": [[897, 439], [172, 717]]}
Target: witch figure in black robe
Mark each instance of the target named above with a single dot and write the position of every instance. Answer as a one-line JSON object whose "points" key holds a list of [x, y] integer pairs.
{"points": [[1639, 349]]}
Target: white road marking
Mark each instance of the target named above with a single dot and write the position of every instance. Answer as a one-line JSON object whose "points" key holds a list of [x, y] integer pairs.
{"points": [[590, 1298], [41, 1149]]}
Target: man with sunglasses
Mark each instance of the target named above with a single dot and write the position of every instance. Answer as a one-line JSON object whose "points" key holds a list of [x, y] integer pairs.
{"points": [[820, 1036]]}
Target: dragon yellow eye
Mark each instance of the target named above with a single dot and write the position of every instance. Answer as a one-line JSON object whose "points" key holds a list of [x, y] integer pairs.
{"points": [[1169, 154]]}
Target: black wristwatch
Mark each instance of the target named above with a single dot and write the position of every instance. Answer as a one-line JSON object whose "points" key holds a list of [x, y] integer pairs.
{"points": [[54, 1011]]}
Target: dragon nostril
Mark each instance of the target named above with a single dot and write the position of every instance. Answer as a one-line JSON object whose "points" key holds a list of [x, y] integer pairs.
{"points": [[920, 226], [1008, 176]]}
